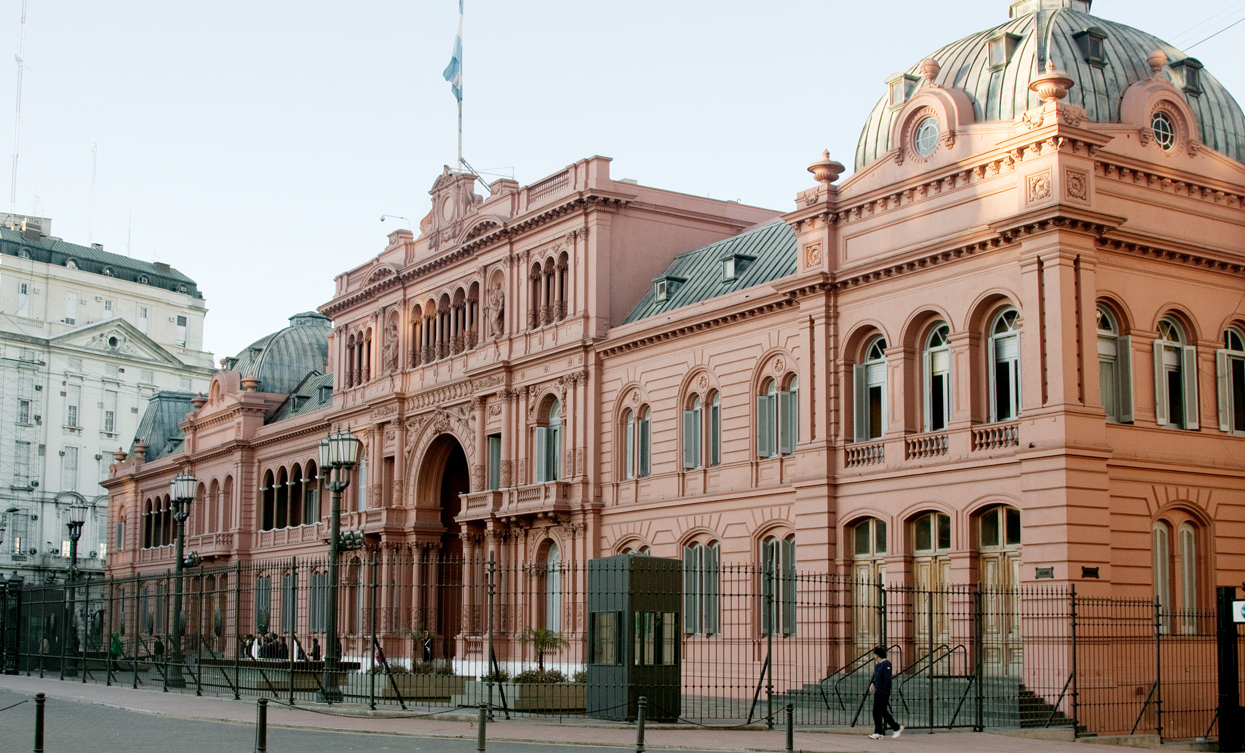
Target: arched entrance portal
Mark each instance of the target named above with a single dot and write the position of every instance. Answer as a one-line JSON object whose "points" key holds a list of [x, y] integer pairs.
{"points": [[444, 476]]}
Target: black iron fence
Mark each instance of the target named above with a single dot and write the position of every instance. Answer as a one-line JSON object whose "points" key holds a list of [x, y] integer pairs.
{"points": [[422, 632]]}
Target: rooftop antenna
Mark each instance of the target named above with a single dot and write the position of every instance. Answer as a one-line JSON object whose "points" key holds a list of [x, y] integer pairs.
{"points": [[17, 117], [90, 226]]}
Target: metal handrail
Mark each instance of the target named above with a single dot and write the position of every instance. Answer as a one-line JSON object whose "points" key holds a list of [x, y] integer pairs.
{"points": [[865, 657]]}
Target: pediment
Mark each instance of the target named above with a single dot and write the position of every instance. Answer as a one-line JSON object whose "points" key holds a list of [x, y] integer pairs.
{"points": [[117, 338], [380, 273]]}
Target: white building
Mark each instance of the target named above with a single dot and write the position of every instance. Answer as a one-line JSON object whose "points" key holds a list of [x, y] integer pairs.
{"points": [[87, 338]]}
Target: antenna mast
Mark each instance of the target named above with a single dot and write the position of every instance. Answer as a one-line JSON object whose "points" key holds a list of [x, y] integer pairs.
{"points": [[17, 116], [90, 227]]}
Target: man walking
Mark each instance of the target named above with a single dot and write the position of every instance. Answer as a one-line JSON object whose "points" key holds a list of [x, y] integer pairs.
{"points": [[882, 696]]}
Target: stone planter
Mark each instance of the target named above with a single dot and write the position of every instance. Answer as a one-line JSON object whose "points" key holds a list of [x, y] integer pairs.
{"points": [[562, 696], [420, 687]]}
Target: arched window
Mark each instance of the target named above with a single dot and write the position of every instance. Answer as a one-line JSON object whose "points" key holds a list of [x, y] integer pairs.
{"points": [[701, 587], [553, 588], [936, 367], [778, 585], [778, 428], [1115, 369], [549, 446], [1176, 580], [869, 389], [692, 418], [1175, 378], [1230, 377], [715, 428], [1005, 365], [627, 428]]}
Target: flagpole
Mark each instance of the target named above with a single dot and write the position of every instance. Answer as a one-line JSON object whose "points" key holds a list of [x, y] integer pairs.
{"points": [[460, 87]]}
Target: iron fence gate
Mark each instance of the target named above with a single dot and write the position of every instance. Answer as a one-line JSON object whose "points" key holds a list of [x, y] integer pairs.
{"points": [[437, 631]]}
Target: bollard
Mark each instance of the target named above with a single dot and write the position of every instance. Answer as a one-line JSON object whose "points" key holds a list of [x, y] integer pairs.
{"points": [[480, 730], [40, 698], [641, 707], [790, 728], [261, 727]]}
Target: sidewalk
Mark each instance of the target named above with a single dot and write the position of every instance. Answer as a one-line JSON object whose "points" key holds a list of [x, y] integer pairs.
{"points": [[460, 724]]}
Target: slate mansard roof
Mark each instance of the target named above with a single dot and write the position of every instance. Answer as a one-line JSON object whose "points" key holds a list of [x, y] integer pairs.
{"points": [[1002, 94], [160, 426], [698, 275], [57, 252]]}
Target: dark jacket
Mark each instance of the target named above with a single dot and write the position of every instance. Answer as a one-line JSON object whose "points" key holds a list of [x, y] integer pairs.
{"points": [[882, 676]]}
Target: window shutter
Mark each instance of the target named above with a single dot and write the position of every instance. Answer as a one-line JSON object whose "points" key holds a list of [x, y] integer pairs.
{"points": [[643, 428], [715, 435], [542, 452], [1160, 386], [788, 586], [1124, 377], [691, 447], [1188, 374], [769, 562], [629, 442], [765, 427], [709, 584], [786, 422], [860, 403], [1223, 381], [555, 453], [691, 593], [927, 393]]}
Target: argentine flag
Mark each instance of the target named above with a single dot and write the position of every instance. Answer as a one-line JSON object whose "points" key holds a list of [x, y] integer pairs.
{"points": [[454, 71]]}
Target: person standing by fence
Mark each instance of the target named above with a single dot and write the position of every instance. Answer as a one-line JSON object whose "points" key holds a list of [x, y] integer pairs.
{"points": [[881, 683]]}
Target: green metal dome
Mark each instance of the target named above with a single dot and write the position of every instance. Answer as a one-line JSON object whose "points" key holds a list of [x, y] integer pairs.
{"points": [[1102, 73]]}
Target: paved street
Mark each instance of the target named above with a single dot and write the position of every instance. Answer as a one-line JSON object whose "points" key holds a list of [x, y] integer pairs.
{"points": [[90, 718]]}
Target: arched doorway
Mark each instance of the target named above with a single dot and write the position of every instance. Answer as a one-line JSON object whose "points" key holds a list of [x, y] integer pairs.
{"points": [[444, 475]]}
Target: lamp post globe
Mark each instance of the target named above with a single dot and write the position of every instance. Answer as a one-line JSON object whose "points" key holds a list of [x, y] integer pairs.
{"points": [[339, 454], [182, 492]]}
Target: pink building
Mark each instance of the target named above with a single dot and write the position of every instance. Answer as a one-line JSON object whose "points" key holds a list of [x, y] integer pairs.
{"points": [[1009, 350]]}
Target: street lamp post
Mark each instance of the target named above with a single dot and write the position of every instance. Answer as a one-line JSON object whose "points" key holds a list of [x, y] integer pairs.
{"points": [[77, 517], [339, 454], [182, 491]]}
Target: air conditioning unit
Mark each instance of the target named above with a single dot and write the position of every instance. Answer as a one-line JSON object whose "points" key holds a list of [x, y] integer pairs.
{"points": [[38, 388], [38, 418], [99, 298], [94, 555], [34, 485]]}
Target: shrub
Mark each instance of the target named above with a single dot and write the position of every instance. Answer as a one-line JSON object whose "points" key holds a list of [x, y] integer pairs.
{"points": [[497, 675], [580, 676], [540, 676]]}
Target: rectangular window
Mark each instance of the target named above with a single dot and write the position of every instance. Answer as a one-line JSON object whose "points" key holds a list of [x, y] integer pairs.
{"points": [[142, 320], [605, 638], [73, 399], [65, 547], [146, 377], [656, 638], [110, 411], [71, 308], [120, 540], [75, 364], [107, 308], [23, 299], [21, 464], [263, 604], [311, 503], [181, 331], [289, 587], [103, 550], [69, 469], [494, 462], [23, 411]]}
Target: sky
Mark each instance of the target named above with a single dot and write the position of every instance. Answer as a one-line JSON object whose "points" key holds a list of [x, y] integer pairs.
{"points": [[254, 145]]}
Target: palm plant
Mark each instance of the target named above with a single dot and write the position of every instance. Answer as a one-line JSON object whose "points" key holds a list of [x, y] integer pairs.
{"points": [[543, 640]]}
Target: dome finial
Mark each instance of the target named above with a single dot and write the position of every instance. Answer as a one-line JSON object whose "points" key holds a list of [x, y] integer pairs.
{"points": [[930, 69], [1156, 61]]}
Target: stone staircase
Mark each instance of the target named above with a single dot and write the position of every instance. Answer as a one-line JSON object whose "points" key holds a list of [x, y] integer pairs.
{"points": [[923, 701]]}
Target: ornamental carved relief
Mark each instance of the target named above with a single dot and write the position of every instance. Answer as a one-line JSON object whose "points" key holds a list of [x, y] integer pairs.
{"points": [[477, 477], [1038, 186], [812, 255], [507, 473], [1077, 184]]}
